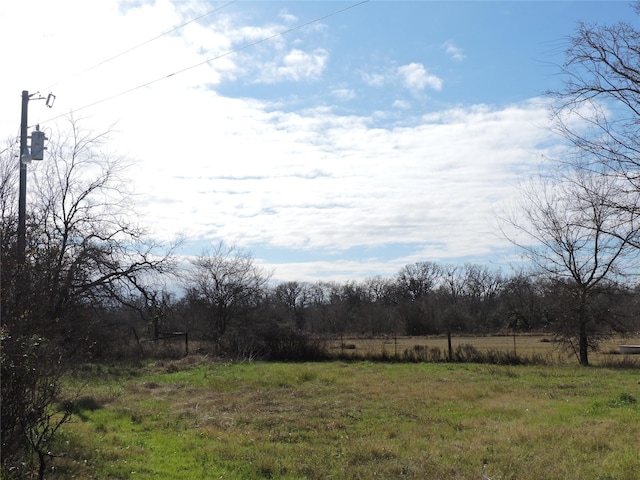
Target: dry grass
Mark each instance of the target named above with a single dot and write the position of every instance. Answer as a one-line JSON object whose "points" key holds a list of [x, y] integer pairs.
{"points": [[528, 345]]}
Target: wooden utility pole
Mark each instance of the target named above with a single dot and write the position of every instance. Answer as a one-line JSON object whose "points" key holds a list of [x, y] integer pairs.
{"points": [[22, 199]]}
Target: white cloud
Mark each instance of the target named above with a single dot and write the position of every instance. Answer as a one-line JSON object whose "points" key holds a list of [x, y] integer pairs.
{"points": [[343, 94], [287, 17], [401, 104], [318, 181], [296, 65], [455, 52], [373, 79], [415, 77]]}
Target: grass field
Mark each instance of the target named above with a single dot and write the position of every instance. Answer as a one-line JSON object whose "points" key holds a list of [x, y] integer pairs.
{"points": [[194, 419]]}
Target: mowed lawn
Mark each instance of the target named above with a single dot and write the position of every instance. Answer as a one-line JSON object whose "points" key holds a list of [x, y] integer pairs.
{"points": [[193, 419]]}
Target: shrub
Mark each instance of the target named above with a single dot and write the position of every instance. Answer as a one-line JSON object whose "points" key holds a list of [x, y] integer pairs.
{"points": [[285, 344], [32, 410], [274, 343], [467, 353]]}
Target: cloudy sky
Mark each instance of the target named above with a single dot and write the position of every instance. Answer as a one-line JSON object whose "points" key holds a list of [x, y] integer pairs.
{"points": [[333, 140]]}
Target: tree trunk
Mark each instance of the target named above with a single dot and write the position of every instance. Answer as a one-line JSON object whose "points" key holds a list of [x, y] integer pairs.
{"points": [[42, 465], [584, 343], [583, 339]]}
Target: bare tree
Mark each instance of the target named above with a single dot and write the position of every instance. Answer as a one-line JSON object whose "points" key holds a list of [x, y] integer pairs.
{"points": [[589, 234], [521, 302], [576, 237], [453, 289], [292, 297], [598, 106], [84, 253], [9, 171], [228, 282], [378, 314], [414, 286], [483, 287], [84, 247], [9, 177]]}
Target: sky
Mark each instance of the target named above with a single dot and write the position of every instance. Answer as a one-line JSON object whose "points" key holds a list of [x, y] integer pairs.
{"points": [[331, 140]]}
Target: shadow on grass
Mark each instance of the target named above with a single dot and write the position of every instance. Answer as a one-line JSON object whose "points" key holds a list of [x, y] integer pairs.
{"points": [[81, 405]]}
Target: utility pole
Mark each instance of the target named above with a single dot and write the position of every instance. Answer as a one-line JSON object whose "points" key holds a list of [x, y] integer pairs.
{"points": [[25, 158], [22, 199]]}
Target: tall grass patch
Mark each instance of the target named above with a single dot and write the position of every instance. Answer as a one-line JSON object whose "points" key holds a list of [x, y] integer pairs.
{"points": [[346, 420]]}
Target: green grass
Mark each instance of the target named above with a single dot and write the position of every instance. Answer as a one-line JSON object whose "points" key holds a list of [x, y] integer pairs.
{"points": [[353, 420]]}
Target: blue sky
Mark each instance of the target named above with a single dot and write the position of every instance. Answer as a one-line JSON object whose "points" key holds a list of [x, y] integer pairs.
{"points": [[380, 135]]}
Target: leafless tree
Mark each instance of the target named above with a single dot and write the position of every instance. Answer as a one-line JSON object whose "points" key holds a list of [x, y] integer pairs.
{"points": [[379, 309], [9, 173], [84, 254], [483, 286], [84, 247], [567, 225], [598, 106], [453, 289], [417, 280], [228, 282], [521, 302], [292, 296], [585, 221], [412, 294]]}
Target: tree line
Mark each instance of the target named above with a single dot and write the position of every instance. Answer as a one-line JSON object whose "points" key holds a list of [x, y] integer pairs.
{"points": [[228, 297]]}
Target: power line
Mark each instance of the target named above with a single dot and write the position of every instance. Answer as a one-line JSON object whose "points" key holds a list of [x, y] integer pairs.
{"points": [[275, 35], [124, 52], [222, 55]]}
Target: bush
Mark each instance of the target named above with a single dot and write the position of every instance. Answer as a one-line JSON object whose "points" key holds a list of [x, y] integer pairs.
{"points": [[285, 344], [272, 342], [422, 353], [32, 409], [467, 353]]}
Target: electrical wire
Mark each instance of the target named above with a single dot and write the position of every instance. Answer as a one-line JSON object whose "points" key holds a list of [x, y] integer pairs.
{"points": [[124, 52], [222, 55]]}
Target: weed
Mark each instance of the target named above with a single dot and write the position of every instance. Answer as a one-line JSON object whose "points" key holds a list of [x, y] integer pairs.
{"points": [[623, 400], [625, 361]]}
